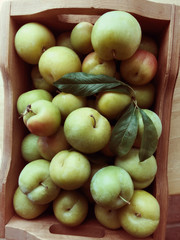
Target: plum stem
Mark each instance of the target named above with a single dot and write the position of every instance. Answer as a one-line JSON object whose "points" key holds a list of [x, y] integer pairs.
{"points": [[126, 201], [135, 103], [58, 91], [114, 53], [94, 125], [45, 186], [26, 111], [28, 108]]}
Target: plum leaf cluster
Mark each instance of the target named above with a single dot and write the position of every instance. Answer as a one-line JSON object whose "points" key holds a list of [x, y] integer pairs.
{"points": [[125, 130], [85, 84], [149, 138]]}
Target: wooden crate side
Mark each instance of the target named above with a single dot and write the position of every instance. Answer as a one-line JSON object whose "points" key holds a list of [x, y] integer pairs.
{"points": [[7, 135], [8, 178], [165, 114], [10, 163], [47, 228], [141, 7]]}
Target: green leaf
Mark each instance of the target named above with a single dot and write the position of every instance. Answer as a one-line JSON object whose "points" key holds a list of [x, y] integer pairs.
{"points": [[124, 88], [84, 84], [149, 140], [124, 132]]}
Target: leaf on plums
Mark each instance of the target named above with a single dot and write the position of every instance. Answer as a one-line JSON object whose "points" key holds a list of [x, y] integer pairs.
{"points": [[84, 84], [149, 140], [123, 89], [125, 131]]}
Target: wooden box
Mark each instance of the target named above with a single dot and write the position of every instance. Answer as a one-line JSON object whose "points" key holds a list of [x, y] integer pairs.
{"points": [[159, 20]]}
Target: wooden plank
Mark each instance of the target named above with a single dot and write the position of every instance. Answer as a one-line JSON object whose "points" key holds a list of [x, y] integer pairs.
{"points": [[173, 231], [47, 227], [156, 12], [173, 163], [174, 209], [174, 143]]}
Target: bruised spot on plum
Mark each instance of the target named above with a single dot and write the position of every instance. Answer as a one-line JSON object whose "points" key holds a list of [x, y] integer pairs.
{"points": [[101, 61], [137, 214], [43, 49], [94, 121]]}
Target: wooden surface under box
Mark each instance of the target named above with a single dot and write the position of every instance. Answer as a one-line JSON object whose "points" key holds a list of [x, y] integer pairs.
{"points": [[34, 229]]}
